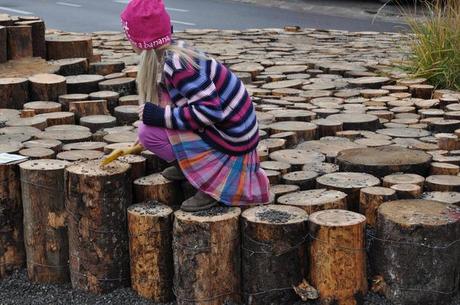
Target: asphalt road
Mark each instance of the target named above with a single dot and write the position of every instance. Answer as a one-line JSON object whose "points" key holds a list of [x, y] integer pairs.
{"points": [[97, 15]]}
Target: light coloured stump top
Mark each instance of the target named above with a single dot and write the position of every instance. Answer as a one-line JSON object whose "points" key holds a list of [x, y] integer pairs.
{"points": [[404, 178], [153, 179], [312, 197], [275, 214], [378, 190], [215, 214], [67, 128], [82, 154], [297, 156], [419, 212], [348, 180], [293, 126], [46, 78], [384, 156], [25, 130], [44, 164], [443, 179], [132, 159], [150, 209], [446, 197], [12, 80], [337, 218], [93, 169], [85, 146]]}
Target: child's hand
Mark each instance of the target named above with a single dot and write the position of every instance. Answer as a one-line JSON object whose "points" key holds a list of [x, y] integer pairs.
{"points": [[140, 111]]}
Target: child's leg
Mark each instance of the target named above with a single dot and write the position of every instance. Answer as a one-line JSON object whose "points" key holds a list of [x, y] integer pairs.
{"points": [[156, 140]]}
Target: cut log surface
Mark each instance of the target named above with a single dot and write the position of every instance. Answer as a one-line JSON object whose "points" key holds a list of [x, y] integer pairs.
{"points": [[38, 153], [382, 161], [12, 252], [3, 45], [126, 115], [156, 187], [121, 137], [66, 135], [338, 256], [443, 183], [404, 132], [75, 97], [407, 190], [47, 87], [14, 92], [206, 250], [45, 230], [349, 183], [296, 157], [38, 36], [80, 155], [123, 86], [371, 198], [68, 46], [304, 130], [446, 197], [37, 122], [393, 179], [150, 247], [415, 251], [357, 121], [87, 108], [43, 107], [306, 180], [97, 199], [138, 165], [111, 97], [19, 41], [312, 201], [58, 118], [282, 189], [84, 83], [55, 145], [71, 66], [274, 253]]}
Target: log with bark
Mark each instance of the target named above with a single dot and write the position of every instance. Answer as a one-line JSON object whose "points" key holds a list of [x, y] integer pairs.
{"points": [[19, 41]]}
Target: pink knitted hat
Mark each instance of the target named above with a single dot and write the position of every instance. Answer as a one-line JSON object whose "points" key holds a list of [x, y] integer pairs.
{"points": [[146, 23]]}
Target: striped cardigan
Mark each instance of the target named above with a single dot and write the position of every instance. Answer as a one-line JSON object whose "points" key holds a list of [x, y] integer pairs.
{"points": [[209, 100]]}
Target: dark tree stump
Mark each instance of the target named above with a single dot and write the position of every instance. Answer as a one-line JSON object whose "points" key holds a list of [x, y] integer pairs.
{"points": [[415, 251], [38, 36], [150, 247], [19, 41], [84, 83], [274, 253], [97, 199], [71, 66], [371, 198], [206, 250], [68, 46], [45, 230], [14, 92], [47, 87], [3, 45], [156, 187], [124, 86]]}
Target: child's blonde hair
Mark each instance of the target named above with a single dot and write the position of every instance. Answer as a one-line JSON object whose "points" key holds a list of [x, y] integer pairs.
{"points": [[151, 68]]}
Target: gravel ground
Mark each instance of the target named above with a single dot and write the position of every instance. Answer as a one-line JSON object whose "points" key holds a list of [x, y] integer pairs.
{"points": [[17, 290]]}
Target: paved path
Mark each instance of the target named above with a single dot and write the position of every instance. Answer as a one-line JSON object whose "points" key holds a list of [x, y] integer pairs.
{"points": [[95, 15]]}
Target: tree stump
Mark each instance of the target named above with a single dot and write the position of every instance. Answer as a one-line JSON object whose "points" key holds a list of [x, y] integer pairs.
{"points": [[282, 189], [306, 180], [439, 168], [55, 145], [12, 252], [79, 155], [45, 230], [71, 66], [3, 45], [138, 165], [357, 121], [289, 136], [87, 108], [110, 96], [126, 115], [315, 200], [328, 127], [43, 107], [206, 251], [58, 118], [382, 161], [442, 183], [106, 67], [304, 130], [68, 46], [123, 86], [37, 122], [407, 190], [85, 146], [97, 122], [297, 157], [446, 197], [127, 100], [150, 247], [349, 183], [14, 92], [393, 179], [67, 136], [156, 187], [47, 87], [84, 83], [370, 199], [274, 253], [75, 97], [19, 41], [97, 199], [415, 252], [338, 256], [38, 36], [38, 153]]}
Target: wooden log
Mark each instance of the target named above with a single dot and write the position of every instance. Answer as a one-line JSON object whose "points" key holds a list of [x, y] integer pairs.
{"points": [[37, 122], [452, 198], [12, 252], [88, 108], [439, 168], [27, 113], [106, 67], [422, 91], [338, 256], [282, 189], [98, 239], [79, 155], [38, 153], [3, 45], [382, 161], [328, 127], [273, 144], [312, 201], [58, 118], [121, 137], [357, 121], [156, 187], [393, 179], [85, 146], [124, 86], [289, 136], [306, 180], [447, 141], [370, 199], [75, 97], [68, 46], [45, 230], [126, 115], [349, 183], [43, 107], [321, 168], [206, 251], [304, 130], [127, 100], [19, 41], [110, 96], [67, 136], [38, 36], [138, 165], [282, 167], [414, 250], [442, 183], [97, 122], [84, 83], [55, 145], [14, 92], [47, 87], [150, 248], [273, 253], [297, 157], [71, 66]]}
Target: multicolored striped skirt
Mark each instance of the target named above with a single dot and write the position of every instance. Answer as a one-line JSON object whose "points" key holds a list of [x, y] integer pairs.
{"points": [[232, 180]]}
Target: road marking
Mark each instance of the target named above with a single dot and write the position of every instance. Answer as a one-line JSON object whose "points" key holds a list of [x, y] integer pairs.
{"points": [[177, 10], [68, 4], [15, 11], [121, 1], [182, 22]]}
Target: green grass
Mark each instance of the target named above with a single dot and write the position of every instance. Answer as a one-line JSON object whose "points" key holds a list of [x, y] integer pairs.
{"points": [[435, 44]]}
